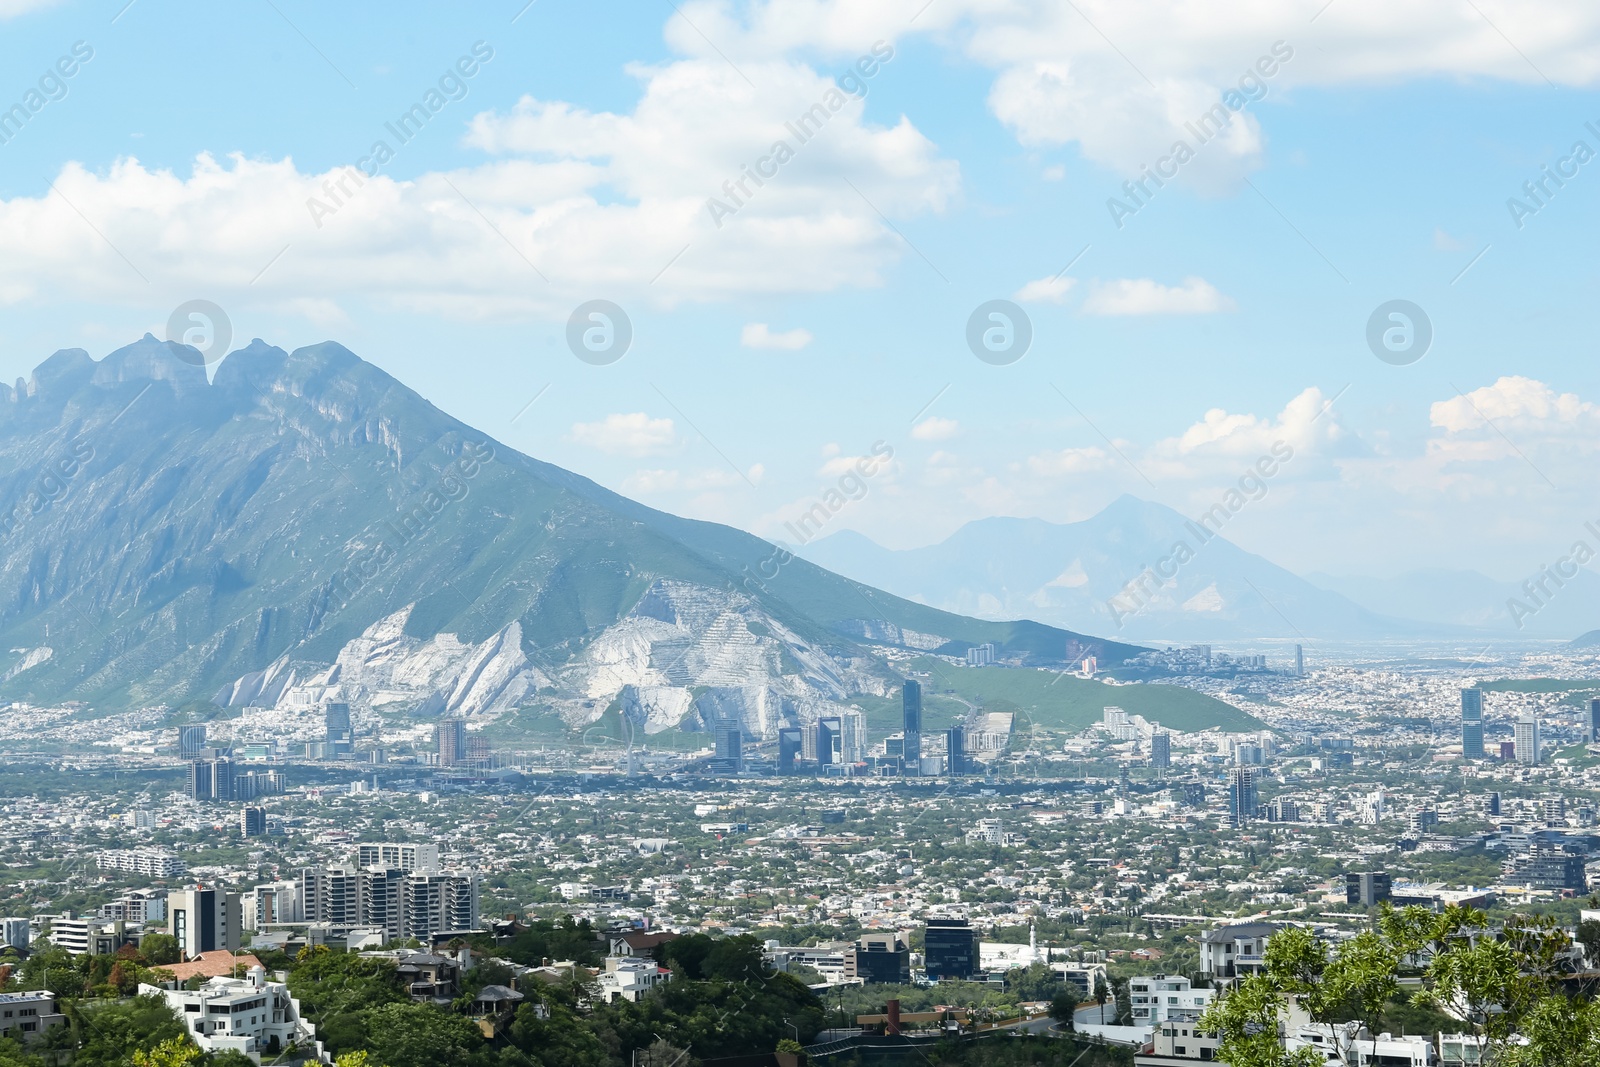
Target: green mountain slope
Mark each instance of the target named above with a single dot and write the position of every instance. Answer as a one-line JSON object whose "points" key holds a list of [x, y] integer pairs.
{"points": [[162, 536]]}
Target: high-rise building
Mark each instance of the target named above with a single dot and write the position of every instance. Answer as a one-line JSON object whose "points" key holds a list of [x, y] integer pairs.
{"points": [[435, 903], [950, 949], [336, 725], [1492, 805], [450, 738], [191, 739], [211, 779], [1367, 889], [729, 739], [1525, 734], [789, 747], [1472, 724], [204, 920], [1299, 662], [1553, 809], [252, 821], [1594, 721], [1160, 750], [911, 722], [981, 655], [955, 751], [853, 741], [879, 957], [1242, 796], [829, 738]]}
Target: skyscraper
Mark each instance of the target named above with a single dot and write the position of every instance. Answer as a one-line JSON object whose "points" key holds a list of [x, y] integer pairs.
{"points": [[191, 739], [955, 747], [730, 745], [1160, 750], [789, 747], [853, 741], [1299, 662], [1594, 721], [451, 738], [911, 719], [1525, 734], [252, 821], [830, 738], [336, 726], [1242, 797], [1472, 724], [204, 920]]}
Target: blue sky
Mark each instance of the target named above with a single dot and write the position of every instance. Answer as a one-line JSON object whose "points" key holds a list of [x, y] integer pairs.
{"points": [[829, 312]]}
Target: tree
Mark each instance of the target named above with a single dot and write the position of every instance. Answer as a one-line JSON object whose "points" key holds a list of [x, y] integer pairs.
{"points": [[159, 949], [420, 1035], [1589, 937], [1064, 1010], [173, 1052], [1101, 995], [1246, 1021]]}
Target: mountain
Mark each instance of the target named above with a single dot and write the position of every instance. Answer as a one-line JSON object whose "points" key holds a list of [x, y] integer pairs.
{"points": [[1077, 575], [1467, 598], [304, 526]]}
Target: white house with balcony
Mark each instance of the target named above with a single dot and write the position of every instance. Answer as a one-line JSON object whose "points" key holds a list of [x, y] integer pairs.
{"points": [[249, 1015], [630, 978], [1163, 998], [1235, 951]]}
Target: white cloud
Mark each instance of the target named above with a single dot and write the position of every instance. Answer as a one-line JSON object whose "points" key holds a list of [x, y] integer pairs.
{"points": [[10, 9], [758, 335], [1060, 79], [1305, 421], [1142, 296], [934, 428], [1068, 461], [635, 434], [1515, 399], [1050, 290], [591, 201]]}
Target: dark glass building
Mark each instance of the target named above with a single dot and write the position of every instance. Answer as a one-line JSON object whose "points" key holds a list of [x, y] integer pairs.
{"points": [[911, 721], [950, 949]]}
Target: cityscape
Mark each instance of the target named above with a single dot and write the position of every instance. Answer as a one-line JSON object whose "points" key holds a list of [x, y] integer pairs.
{"points": [[791, 533]]}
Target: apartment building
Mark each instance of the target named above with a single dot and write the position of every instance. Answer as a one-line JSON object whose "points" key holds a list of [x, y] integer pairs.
{"points": [[1163, 998], [24, 1017], [404, 857], [82, 935], [205, 920], [146, 862]]}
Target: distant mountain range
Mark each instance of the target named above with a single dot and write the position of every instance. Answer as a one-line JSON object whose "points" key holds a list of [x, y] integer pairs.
{"points": [[1078, 575], [305, 526]]}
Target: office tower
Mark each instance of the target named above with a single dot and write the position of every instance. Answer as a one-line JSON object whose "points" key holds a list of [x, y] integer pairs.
{"points": [[729, 738], [829, 737], [1161, 750], [191, 739], [451, 741], [336, 724], [950, 949], [879, 957], [1525, 733], [789, 747], [1299, 662], [1492, 805], [1368, 889], [252, 821], [1242, 796], [1472, 724], [407, 856], [211, 779], [911, 720], [1594, 722], [955, 751], [204, 920], [853, 741]]}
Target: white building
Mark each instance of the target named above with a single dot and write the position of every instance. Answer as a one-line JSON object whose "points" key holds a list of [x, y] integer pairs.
{"points": [[1177, 1044], [138, 906], [630, 978], [827, 959], [16, 933], [205, 920], [26, 1016], [1164, 998], [249, 1015], [1525, 738], [1235, 951], [270, 904], [146, 862], [993, 832], [83, 934], [404, 856]]}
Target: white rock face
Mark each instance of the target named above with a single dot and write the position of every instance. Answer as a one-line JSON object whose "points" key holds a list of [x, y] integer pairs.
{"points": [[679, 640], [31, 658]]}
